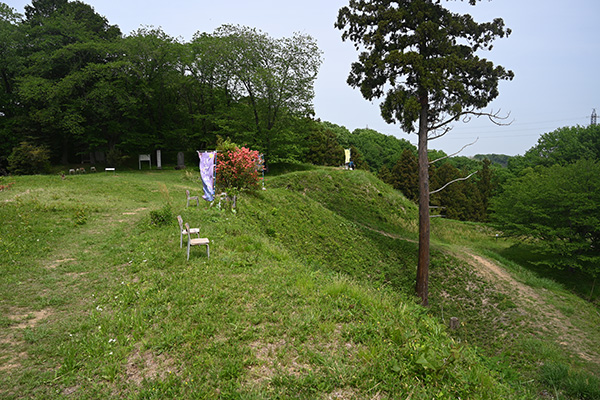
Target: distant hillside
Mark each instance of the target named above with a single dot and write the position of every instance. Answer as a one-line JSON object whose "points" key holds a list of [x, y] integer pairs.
{"points": [[500, 159]]}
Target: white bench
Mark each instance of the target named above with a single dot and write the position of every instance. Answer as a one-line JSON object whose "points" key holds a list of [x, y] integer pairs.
{"points": [[109, 169], [145, 157]]}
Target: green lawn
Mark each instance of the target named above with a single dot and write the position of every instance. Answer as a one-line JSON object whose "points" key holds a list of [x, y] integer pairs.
{"points": [[307, 294]]}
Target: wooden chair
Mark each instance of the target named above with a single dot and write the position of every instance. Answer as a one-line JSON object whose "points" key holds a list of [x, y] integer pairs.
{"points": [[187, 192], [195, 242], [182, 231]]}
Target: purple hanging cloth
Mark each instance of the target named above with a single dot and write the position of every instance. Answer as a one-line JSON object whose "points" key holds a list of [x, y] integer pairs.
{"points": [[207, 170]]}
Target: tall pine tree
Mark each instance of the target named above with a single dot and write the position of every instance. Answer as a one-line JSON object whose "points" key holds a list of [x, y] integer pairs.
{"points": [[422, 58]]}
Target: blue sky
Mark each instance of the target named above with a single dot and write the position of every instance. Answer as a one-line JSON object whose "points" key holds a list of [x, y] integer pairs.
{"points": [[554, 51]]}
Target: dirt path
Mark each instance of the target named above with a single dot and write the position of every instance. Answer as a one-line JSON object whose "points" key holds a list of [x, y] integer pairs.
{"points": [[536, 305]]}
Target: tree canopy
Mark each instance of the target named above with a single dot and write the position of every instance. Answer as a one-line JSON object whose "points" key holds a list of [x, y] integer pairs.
{"points": [[562, 146], [557, 208], [70, 81]]}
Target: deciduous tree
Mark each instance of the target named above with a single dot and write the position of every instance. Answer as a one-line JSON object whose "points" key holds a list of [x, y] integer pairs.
{"points": [[275, 76], [565, 145], [63, 39], [558, 208], [11, 63]]}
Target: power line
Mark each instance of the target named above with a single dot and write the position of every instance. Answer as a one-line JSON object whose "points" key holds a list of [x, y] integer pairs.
{"points": [[459, 130]]}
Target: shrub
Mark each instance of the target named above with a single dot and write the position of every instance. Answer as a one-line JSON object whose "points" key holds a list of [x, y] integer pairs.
{"points": [[115, 158], [163, 216], [237, 168], [28, 159]]}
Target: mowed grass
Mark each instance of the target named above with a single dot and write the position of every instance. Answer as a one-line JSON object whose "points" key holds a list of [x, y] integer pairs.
{"points": [[307, 294]]}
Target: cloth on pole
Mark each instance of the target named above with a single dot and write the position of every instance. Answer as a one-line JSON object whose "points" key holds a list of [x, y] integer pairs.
{"points": [[207, 170], [347, 154]]}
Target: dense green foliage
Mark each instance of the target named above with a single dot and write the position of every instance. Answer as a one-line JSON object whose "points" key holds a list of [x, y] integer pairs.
{"points": [[549, 196], [324, 148], [559, 208], [27, 159], [465, 200], [376, 148], [74, 83], [499, 159], [560, 147], [403, 175]]}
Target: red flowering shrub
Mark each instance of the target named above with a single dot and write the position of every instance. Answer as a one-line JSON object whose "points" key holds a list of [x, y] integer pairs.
{"points": [[236, 169]]}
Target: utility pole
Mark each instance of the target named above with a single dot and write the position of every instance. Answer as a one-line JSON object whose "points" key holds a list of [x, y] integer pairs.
{"points": [[594, 117]]}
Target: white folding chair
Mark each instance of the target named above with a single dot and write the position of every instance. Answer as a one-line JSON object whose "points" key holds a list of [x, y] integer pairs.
{"points": [[195, 242], [187, 192], [183, 232]]}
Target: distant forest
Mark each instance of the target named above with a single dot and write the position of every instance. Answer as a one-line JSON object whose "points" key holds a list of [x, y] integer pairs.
{"points": [[74, 84]]}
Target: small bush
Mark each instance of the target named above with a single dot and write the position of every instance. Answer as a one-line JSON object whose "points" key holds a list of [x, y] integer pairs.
{"points": [[161, 217], [28, 159], [115, 158]]}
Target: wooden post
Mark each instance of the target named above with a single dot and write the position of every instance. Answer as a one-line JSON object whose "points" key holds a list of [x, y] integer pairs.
{"points": [[454, 324]]}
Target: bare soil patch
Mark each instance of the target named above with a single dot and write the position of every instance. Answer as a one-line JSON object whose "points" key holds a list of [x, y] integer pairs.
{"points": [[28, 319], [23, 319], [147, 365], [273, 358], [56, 263]]}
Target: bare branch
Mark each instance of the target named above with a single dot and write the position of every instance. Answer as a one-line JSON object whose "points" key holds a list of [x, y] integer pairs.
{"points": [[439, 135], [492, 116], [452, 155], [466, 116], [453, 181]]}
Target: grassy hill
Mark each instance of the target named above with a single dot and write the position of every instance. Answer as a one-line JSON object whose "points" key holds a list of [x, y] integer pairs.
{"points": [[308, 294]]}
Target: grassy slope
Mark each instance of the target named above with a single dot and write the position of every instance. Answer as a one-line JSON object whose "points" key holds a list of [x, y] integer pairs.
{"points": [[529, 327], [308, 294]]}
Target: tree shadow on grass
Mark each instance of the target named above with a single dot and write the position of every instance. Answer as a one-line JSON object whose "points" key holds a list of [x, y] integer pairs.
{"points": [[582, 284]]}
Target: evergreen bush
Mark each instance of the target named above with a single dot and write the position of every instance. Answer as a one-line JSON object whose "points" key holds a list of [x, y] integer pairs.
{"points": [[28, 159]]}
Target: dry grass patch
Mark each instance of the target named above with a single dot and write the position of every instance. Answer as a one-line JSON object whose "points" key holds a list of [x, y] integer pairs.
{"points": [[11, 358], [147, 365], [54, 264], [27, 319], [274, 358]]}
